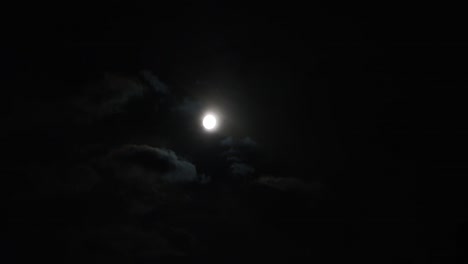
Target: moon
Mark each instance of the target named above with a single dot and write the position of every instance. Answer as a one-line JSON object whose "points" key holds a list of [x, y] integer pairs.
{"points": [[209, 122]]}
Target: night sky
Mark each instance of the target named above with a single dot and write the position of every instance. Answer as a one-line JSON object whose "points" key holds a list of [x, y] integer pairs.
{"points": [[341, 133]]}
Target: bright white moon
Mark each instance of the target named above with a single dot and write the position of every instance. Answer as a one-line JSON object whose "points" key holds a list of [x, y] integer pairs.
{"points": [[209, 122]]}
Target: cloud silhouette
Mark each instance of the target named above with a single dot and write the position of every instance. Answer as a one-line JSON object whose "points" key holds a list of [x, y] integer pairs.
{"points": [[113, 93], [247, 142], [241, 169], [227, 142], [189, 107], [238, 143], [239, 155], [147, 166], [154, 83]]}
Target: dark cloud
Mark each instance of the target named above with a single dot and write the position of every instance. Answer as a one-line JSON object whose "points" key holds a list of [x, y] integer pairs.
{"points": [[154, 82], [239, 155], [149, 165], [189, 106], [113, 93], [231, 153], [239, 143], [241, 169], [227, 142], [248, 142], [232, 158], [107, 96]]}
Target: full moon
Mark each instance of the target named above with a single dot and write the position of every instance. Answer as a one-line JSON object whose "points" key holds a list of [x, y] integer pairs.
{"points": [[209, 122]]}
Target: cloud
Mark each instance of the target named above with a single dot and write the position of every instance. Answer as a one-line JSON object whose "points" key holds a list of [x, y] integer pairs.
{"points": [[231, 153], [239, 143], [227, 142], [248, 142], [233, 159], [239, 154], [189, 106], [148, 166], [236, 146], [241, 169], [154, 82], [112, 94]]}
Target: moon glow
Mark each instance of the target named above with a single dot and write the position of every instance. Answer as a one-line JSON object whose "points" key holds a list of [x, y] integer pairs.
{"points": [[209, 122]]}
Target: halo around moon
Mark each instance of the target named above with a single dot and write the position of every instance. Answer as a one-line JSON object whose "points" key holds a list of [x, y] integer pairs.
{"points": [[209, 122]]}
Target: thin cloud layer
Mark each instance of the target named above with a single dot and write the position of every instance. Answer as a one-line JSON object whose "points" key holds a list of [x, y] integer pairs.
{"points": [[188, 106], [149, 166], [241, 169], [113, 93], [154, 83], [238, 155]]}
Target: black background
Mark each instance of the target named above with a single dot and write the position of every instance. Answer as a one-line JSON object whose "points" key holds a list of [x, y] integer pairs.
{"points": [[365, 98]]}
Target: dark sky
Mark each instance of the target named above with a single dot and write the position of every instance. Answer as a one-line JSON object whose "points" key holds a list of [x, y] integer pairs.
{"points": [[349, 116]]}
